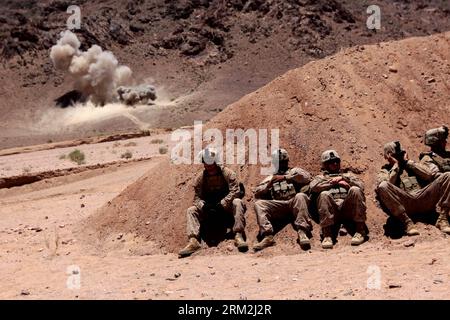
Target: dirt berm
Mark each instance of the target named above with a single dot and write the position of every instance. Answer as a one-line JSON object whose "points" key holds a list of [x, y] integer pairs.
{"points": [[354, 102]]}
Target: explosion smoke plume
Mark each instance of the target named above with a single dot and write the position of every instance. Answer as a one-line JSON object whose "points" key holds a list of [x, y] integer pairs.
{"points": [[97, 73]]}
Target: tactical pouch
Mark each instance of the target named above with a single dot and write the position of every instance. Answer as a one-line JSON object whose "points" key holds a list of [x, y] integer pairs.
{"points": [[410, 184], [339, 193], [282, 190]]}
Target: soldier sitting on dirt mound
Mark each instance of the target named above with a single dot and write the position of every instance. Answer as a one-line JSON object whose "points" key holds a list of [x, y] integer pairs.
{"points": [[340, 199], [280, 197], [437, 160], [216, 191], [407, 188]]}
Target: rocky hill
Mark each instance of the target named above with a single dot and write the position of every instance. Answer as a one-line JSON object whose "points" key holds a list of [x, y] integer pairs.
{"points": [[202, 55], [354, 101]]}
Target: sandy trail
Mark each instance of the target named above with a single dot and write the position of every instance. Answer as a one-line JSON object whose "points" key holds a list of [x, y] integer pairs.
{"points": [[107, 152], [39, 242]]}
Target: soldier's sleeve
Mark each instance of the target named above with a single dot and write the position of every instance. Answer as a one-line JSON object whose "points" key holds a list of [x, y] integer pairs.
{"points": [[198, 194], [392, 174], [353, 181], [420, 170], [428, 162], [299, 176], [233, 187], [261, 191], [319, 184], [383, 175]]}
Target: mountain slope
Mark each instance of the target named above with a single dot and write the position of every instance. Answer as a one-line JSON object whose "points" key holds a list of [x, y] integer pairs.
{"points": [[201, 54]]}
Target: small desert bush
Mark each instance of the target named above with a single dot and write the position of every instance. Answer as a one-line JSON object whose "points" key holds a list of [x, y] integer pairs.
{"points": [[77, 156], [157, 141], [130, 144], [127, 155], [26, 170]]}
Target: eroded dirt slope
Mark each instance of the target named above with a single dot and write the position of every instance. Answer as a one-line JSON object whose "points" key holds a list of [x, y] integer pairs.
{"points": [[354, 102]]}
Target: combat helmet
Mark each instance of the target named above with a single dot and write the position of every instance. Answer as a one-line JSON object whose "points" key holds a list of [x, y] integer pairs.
{"points": [[393, 148], [330, 155], [434, 136], [208, 156], [280, 155]]}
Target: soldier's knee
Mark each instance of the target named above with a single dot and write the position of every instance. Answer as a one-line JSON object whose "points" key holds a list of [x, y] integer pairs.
{"points": [[258, 204], [383, 186], [324, 195], [238, 203], [301, 196], [355, 190], [445, 176]]}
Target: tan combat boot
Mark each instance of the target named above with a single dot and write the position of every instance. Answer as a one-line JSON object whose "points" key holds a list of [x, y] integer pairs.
{"points": [[264, 243], [357, 239], [359, 236], [303, 239], [327, 242], [191, 247], [410, 228], [442, 223], [240, 243]]}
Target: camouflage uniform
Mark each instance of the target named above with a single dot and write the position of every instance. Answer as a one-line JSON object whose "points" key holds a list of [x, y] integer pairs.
{"points": [[335, 204], [437, 164], [283, 199], [222, 188], [438, 159], [411, 190]]}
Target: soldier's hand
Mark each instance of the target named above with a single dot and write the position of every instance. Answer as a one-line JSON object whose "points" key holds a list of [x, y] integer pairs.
{"points": [[335, 180], [392, 160], [276, 178], [344, 184], [405, 157], [402, 159]]}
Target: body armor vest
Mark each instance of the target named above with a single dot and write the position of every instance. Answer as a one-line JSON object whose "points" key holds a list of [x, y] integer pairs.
{"points": [[442, 163], [337, 192], [282, 190], [216, 187]]}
